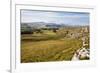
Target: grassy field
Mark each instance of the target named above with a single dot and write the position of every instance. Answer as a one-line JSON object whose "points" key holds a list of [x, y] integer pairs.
{"points": [[48, 46]]}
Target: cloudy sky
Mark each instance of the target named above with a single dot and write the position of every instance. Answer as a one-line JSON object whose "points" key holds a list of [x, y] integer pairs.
{"points": [[72, 18]]}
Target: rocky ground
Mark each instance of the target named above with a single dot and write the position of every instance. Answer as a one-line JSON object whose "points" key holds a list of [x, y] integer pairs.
{"points": [[81, 54]]}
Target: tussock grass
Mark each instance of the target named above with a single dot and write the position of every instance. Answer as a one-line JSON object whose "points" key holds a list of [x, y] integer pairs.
{"points": [[48, 46], [50, 50]]}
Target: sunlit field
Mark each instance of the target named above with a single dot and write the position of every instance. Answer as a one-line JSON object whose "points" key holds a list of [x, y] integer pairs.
{"points": [[53, 45]]}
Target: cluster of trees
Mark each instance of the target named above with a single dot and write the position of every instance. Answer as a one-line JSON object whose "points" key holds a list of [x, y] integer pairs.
{"points": [[25, 29]]}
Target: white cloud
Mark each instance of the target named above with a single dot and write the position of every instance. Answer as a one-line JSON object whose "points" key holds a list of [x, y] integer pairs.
{"points": [[55, 17]]}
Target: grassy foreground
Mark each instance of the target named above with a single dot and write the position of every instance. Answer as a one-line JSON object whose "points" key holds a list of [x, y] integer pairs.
{"points": [[48, 47]]}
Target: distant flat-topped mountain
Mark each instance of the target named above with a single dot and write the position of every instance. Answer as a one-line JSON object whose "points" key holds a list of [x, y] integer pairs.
{"points": [[34, 24], [38, 25], [42, 25]]}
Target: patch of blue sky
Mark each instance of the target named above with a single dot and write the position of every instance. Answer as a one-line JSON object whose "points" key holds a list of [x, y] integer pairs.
{"points": [[70, 18]]}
